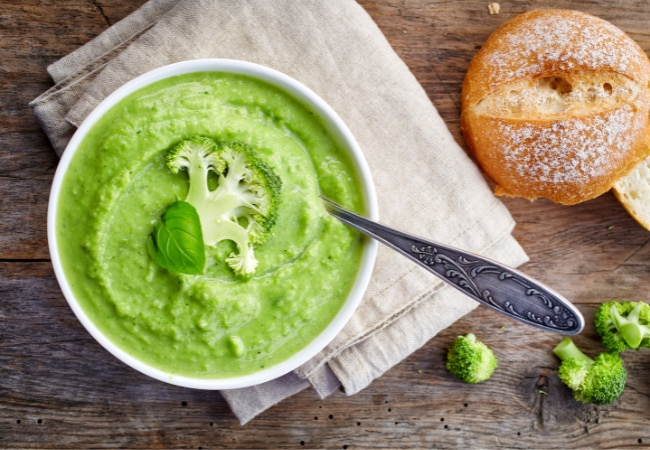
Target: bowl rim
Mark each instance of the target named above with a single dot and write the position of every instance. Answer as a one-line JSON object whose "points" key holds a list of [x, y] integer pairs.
{"points": [[335, 126]]}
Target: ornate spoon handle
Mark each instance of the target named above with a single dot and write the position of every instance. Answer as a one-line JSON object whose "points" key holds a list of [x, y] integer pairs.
{"points": [[493, 284]]}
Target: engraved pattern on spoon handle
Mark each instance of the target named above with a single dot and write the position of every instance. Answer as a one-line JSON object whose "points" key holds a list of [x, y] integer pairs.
{"points": [[493, 284]]}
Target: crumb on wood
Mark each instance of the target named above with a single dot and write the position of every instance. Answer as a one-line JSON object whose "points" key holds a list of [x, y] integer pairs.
{"points": [[494, 8]]}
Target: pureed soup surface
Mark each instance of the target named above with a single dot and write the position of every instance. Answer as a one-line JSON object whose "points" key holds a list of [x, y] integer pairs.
{"points": [[216, 324]]}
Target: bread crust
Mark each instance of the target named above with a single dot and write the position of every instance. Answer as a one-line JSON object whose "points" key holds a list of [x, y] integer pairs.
{"points": [[555, 104]]}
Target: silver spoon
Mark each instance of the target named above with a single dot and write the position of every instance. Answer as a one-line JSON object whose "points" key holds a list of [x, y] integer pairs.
{"points": [[493, 284]]}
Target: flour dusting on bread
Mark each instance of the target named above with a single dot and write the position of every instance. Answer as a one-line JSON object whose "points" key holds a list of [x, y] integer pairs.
{"points": [[564, 41], [568, 150], [555, 104]]}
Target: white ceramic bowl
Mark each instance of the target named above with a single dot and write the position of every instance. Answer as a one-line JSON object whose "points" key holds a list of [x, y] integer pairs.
{"points": [[337, 129]]}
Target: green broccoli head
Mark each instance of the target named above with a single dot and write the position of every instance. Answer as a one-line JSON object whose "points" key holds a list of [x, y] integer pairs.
{"points": [[599, 381], [235, 194], [470, 360], [623, 325]]}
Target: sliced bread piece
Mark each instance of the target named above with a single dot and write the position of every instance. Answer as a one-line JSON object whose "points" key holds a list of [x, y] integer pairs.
{"points": [[633, 191]]}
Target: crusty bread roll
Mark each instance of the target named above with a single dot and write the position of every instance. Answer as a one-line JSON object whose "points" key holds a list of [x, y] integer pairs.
{"points": [[555, 104], [633, 191]]}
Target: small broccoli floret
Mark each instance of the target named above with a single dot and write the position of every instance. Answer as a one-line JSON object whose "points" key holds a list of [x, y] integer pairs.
{"points": [[599, 381], [623, 325], [242, 207], [470, 360]]}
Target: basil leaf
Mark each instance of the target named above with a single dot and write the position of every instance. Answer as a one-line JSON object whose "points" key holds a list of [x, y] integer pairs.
{"points": [[176, 242]]}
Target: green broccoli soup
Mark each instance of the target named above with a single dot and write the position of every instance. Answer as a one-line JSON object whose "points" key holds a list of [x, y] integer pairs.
{"points": [[188, 268]]}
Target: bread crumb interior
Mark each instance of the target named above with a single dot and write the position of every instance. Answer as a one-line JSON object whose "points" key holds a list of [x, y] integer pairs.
{"points": [[552, 95]]}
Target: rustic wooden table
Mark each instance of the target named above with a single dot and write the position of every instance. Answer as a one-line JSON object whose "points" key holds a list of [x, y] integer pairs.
{"points": [[60, 389]]}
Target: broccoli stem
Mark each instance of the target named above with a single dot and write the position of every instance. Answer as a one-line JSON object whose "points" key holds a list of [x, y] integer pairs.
{"points": [[629, 326], [198, 176], [566, 349]]}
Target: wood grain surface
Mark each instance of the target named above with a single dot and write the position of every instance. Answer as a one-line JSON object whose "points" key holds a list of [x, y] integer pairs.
{"points": [[60, 389]]}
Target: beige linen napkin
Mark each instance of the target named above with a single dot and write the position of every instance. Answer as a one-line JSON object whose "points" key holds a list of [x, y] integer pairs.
{"points": [[425, 182]]}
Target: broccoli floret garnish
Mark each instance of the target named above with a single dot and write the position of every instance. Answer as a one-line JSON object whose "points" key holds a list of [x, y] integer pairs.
{"points": [[470, 360], [242, 207], [623, 325], [599, 381]]}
